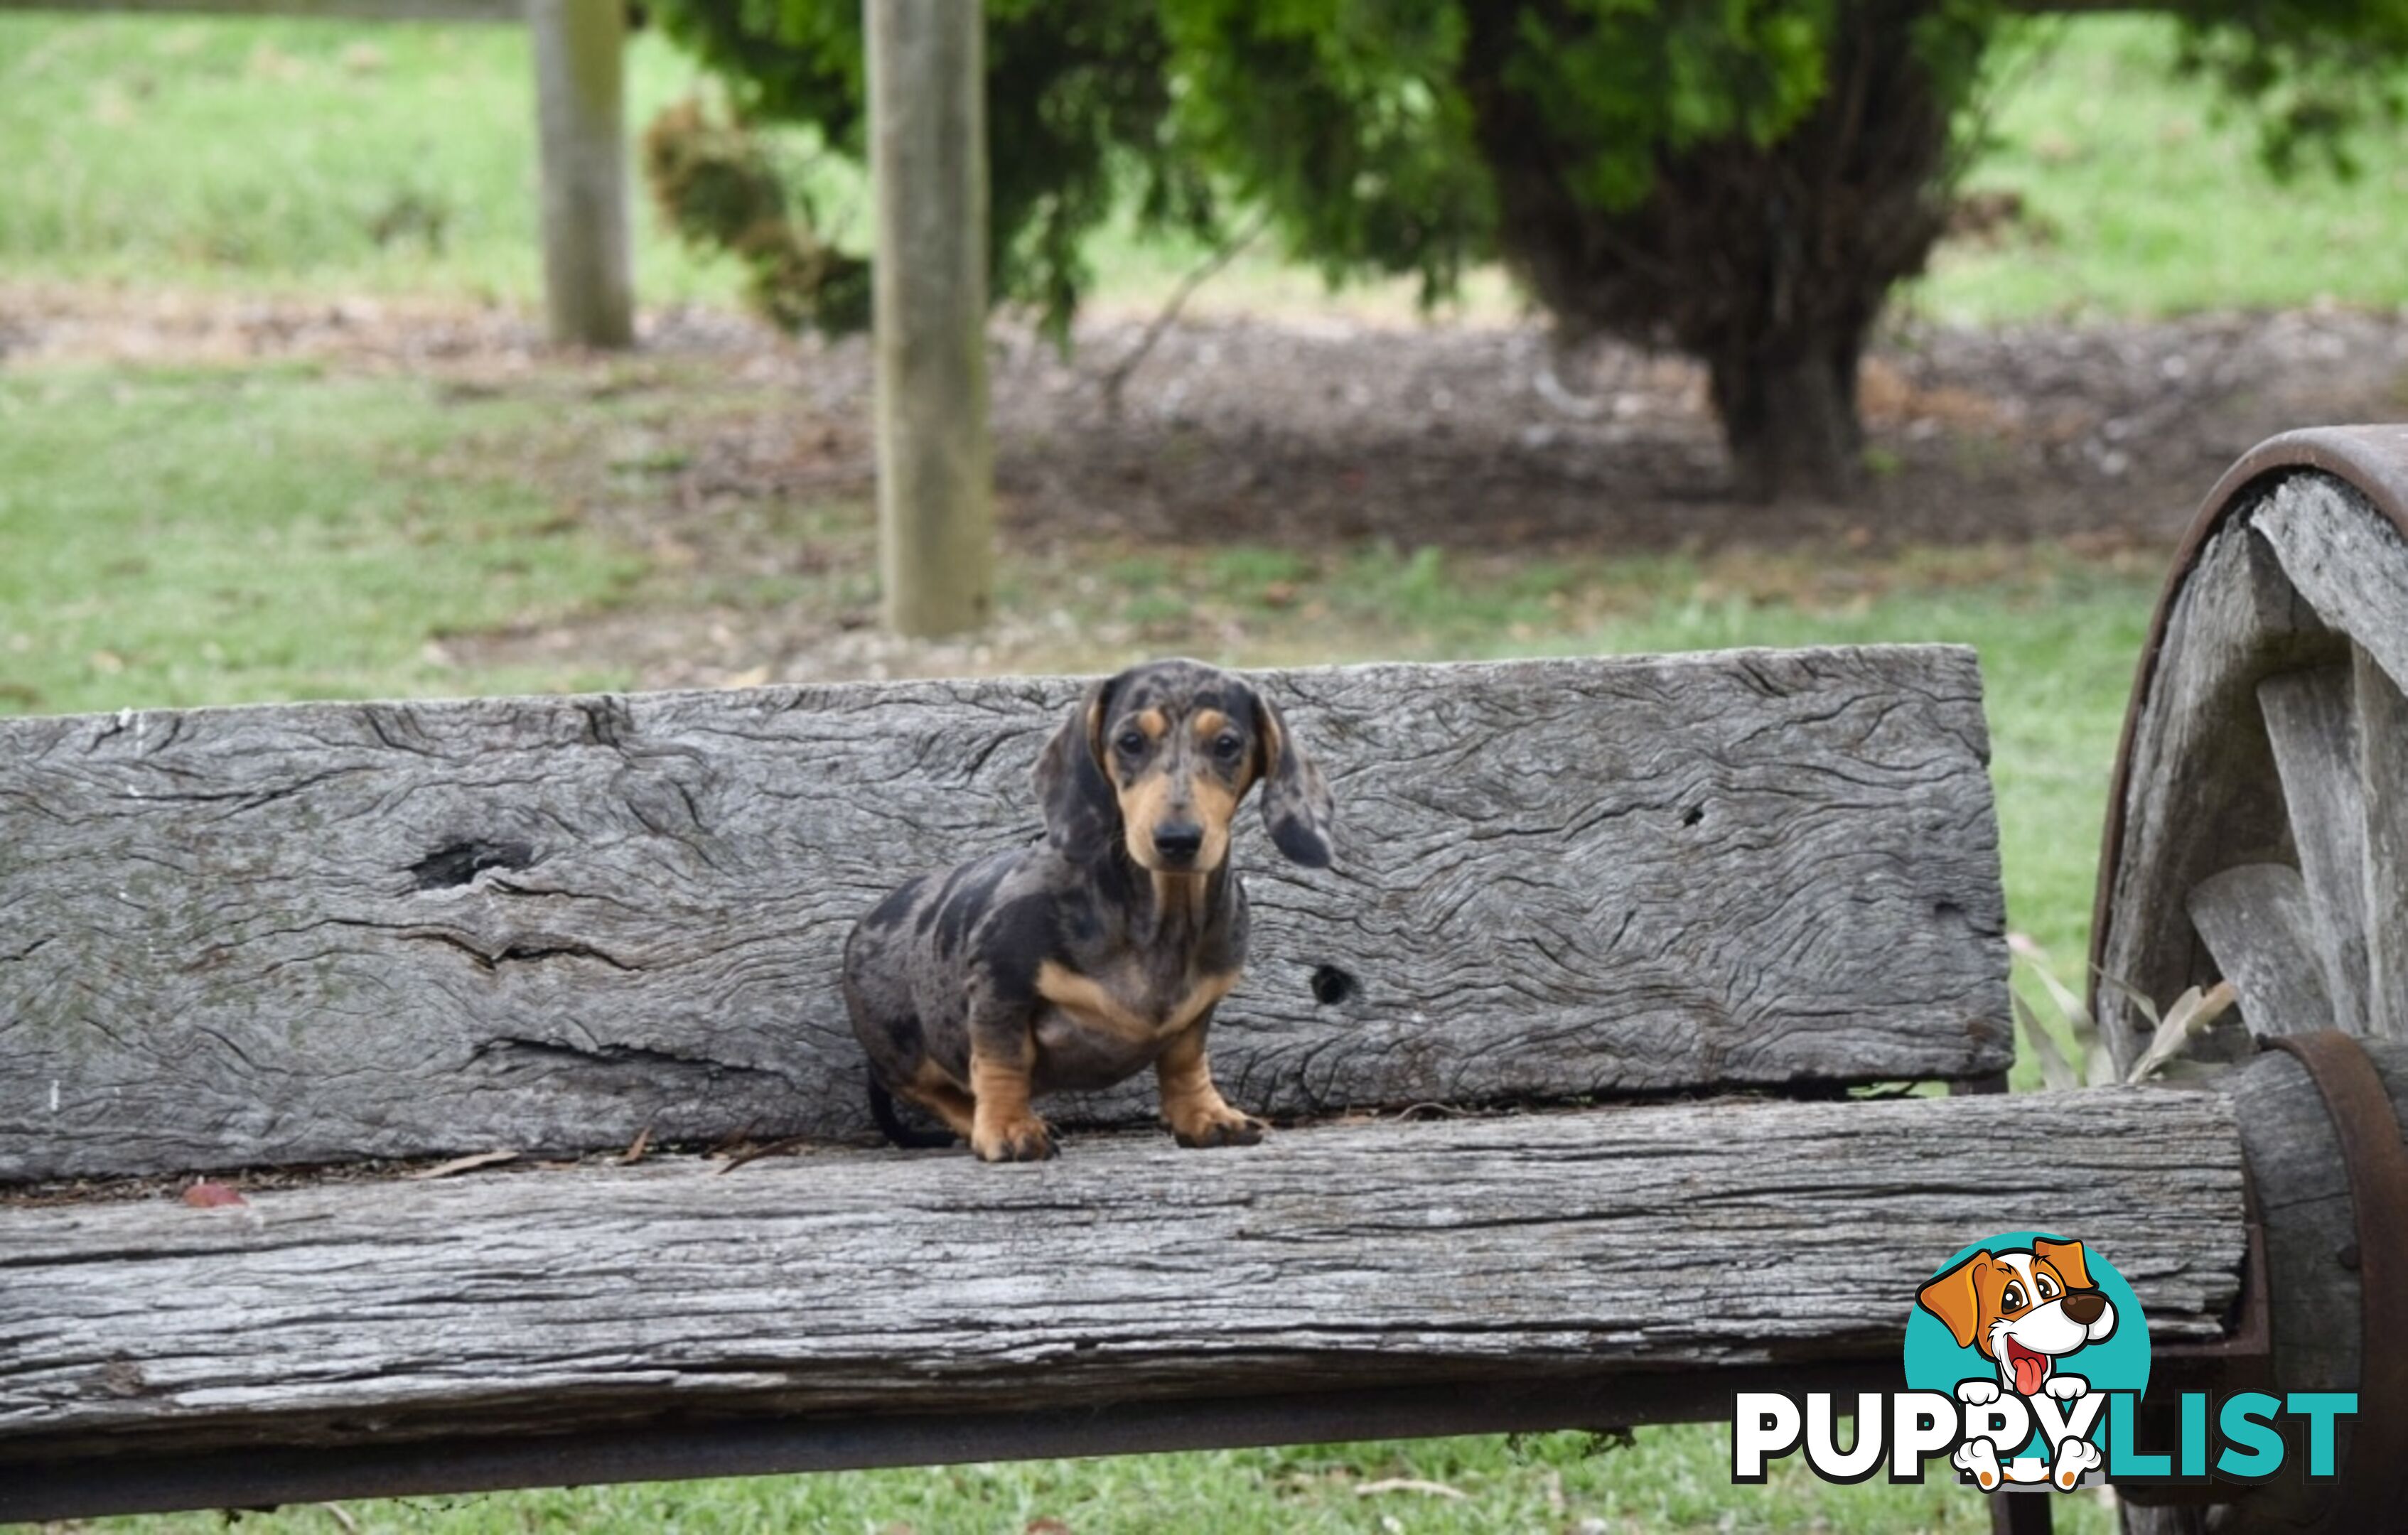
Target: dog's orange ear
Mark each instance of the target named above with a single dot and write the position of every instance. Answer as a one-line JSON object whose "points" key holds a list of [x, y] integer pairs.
{"points": [[2067, 1259], [1955, 1296]]}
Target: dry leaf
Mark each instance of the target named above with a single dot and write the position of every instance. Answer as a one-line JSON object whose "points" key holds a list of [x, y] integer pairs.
{"points": [[2189, 1018], [755, 1154], [1047, 1526], [463, 1164], [636, 1148], [2056, 1071], [208, 1196]]}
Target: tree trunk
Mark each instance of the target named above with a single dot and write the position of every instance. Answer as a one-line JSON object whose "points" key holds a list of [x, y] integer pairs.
{"points": [[1791, 423], [1768, 261]]}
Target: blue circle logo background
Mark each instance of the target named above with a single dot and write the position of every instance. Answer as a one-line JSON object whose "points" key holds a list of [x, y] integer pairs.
{"points": [[2119, 1362]]}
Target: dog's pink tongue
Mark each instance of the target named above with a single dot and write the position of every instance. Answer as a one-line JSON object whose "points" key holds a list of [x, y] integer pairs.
{"points": [[2030, 1370]]}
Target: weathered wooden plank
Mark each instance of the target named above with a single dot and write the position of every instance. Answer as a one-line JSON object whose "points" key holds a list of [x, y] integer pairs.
{"points": [[326, 931], [2382, 787], [1645, 1238], [589, 286], [2311, 721], [362, 10], [928, 177], [2257, 922]]}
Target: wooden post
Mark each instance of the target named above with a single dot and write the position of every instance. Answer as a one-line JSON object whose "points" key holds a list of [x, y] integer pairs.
{"points": [[927, 114], [579, 49]]}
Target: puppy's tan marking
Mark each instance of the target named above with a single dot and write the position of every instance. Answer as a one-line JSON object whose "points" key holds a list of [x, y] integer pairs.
{"points": [[1002, 1127], [1198, 1114], [934, 1090], [1182, 895], [1143, 806], [1092, 1003]]}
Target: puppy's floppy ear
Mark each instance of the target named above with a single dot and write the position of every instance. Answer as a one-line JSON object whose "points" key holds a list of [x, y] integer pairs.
{"points": [[1296, 801], [1083, 815], [1955, 1296], [2067, 1258]]}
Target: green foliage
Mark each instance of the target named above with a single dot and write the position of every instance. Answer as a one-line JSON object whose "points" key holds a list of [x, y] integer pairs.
{"points": [[2310, 70], [1343, 118], [719, 187], [1077, 101]]}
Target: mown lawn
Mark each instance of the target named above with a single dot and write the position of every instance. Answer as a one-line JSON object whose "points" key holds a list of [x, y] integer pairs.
{"points": [[199, 536]]}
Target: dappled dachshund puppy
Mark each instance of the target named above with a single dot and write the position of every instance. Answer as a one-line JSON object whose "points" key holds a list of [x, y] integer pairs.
{"points": [[1075, 963]]}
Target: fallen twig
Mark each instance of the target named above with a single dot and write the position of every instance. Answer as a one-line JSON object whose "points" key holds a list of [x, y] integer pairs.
{"points": [[1117, 375], [465, 1163]]}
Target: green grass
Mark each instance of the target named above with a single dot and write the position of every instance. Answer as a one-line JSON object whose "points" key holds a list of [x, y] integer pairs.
{"points": [[1673, 1479], [202, 536], [333, 156], [294, 154], [2146, 196]]}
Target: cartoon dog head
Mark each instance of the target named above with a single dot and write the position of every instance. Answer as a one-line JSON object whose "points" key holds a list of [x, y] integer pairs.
{"points": [[2024, 1309]]}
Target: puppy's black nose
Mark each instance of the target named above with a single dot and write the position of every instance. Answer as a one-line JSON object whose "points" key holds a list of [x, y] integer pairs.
{"points": [[2083, 1306], [1178, 841]]}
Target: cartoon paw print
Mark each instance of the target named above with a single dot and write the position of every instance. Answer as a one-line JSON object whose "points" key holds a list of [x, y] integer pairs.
{"points": [[1979, 1458], [2066, 1387], [1977, 1392], [2074, 1458]]}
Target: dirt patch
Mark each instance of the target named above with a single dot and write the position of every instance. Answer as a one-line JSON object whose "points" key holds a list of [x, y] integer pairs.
{"points": [[1459, 435], [1309, 435]]}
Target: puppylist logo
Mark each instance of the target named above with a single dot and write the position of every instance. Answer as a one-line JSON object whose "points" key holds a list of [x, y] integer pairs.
{"points": [[2025, 1357]]}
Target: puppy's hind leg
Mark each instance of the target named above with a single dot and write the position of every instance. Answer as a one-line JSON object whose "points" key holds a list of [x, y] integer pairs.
{"points": [[951, 1105]]}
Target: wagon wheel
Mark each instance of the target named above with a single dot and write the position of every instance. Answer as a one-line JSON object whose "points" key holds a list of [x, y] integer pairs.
{"points": [[2258, 825], [2258, 832]]}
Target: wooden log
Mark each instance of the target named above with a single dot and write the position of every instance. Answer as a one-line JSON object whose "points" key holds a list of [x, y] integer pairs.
{"points": [[2311, 721], [1615, 1243], [580, 49], [936, 474], [2382, 779], [330, 931], [358, 10], [2257, 924]]}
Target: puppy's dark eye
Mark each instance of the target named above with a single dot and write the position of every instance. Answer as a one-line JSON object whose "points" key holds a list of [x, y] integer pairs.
{"points": [[1131, 742], [2046, 1286], [2013, 1299], [1225, 747]]}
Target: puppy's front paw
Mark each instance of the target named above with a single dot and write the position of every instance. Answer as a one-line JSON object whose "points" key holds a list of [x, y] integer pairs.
{"points": [[1224, 1128], [1013, 1140], [1977, 1392], [2066, 1387]]}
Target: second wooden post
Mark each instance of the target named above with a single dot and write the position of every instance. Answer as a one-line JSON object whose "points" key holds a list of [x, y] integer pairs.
{"points": [[928, 113]]}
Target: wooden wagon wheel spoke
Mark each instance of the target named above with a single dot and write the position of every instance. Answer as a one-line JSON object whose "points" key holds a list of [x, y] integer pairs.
{"points": [[2258, 921], [2311, 721], [2382, 774]]}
